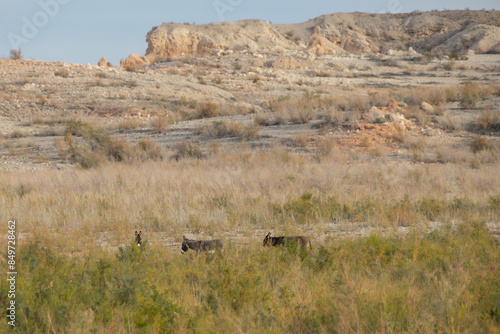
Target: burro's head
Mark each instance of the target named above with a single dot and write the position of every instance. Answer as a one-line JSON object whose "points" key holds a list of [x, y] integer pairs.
{"points": [[267, 240], [138, 238], [184, 246]]}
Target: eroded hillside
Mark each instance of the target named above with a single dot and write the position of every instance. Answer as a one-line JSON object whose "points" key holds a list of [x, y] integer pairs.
{"points": [[436, 32]]}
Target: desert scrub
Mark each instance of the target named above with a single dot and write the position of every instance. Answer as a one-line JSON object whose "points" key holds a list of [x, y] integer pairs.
{"points": [[188, 149], [100, 146], [208, 110], [160, 123], [442, 281], [16, 54], [488, 120], [479, 144], [231, 128], [288, 110]]}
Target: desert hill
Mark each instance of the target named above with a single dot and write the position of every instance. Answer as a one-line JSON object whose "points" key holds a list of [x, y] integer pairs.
{"points": [[436, 32]]}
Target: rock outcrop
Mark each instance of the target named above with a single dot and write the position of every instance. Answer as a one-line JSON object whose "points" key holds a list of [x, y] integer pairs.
{"points": [[104, 63], [134, 60], [444, 32], [173, 39]]}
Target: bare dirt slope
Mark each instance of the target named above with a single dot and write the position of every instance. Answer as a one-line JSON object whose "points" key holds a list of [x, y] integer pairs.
{"points": [[253, 93]]}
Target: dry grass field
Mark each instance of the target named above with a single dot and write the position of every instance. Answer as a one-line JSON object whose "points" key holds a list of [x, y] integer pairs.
{"points": [[389, 164]]}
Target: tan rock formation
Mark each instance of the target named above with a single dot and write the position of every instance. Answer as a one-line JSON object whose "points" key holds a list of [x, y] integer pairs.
{"points": [[404, 34], [134, 60], [320, 44], [173, 39], [103, 62]]}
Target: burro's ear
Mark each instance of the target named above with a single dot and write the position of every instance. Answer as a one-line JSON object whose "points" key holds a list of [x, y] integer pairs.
{"points": [[184, 238], [140, 232], [135, 233]]}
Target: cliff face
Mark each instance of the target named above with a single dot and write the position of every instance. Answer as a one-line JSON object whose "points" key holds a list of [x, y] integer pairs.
{"points": [[442, 32], [173, 39]]}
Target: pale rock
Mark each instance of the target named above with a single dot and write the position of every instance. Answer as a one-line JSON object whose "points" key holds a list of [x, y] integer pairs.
{"points": [[427, 107], [373, 115], [102, 62], [412, 51], [173, 39], [134, 60], [396, 118]]}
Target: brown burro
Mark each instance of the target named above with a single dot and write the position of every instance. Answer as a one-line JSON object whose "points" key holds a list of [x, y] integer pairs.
{"points": [[200, 245], [299, 240]]}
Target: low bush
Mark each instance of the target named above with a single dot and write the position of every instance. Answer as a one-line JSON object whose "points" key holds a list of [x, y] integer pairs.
{"points": [[100, 146], [479, 144], [208, 110], [231, 129], [489, 120], [187, 149], [16, 54]]}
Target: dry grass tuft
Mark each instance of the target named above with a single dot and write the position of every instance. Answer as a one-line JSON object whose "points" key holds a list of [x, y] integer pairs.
{"points": [[16, 54], [63, 73], [488, 120], [230, 128], [188, 149], [160, 123], [208, 110], [479, 144], [128, 124]]}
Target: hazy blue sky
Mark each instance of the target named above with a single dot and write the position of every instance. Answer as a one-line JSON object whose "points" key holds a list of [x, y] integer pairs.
{"points": [[83, 31]]}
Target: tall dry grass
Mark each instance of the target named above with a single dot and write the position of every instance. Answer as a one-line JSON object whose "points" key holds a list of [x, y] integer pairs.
{"points": [[74, 277], [241, 189]]}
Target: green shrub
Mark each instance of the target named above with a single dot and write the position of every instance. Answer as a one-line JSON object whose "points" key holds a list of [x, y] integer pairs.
{"points": [[443, 281], [100, 146]]}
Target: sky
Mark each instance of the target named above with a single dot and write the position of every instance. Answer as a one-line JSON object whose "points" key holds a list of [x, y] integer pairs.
{"points": [[82, 31]]}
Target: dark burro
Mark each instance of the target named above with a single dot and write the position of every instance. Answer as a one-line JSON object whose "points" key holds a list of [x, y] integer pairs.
{"points": [[138, 238], [299, 240], [200, 245]]}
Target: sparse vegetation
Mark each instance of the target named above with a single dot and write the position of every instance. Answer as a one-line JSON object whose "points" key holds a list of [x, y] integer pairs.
{"points": [[100, 146], [63, 73], [479, 144], [160, 123], [16, 54], [231, 129], [128, 124], [188, 149], [489, 120], [208, 110]]}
